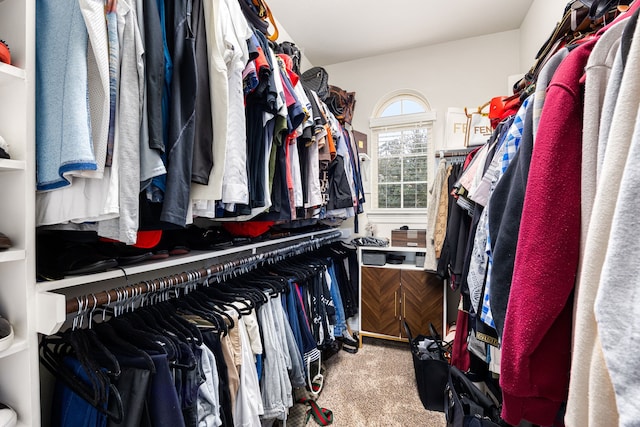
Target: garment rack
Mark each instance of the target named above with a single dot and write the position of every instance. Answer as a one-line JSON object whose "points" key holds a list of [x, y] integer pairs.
{"points": [[83, 304], [455, 153]]}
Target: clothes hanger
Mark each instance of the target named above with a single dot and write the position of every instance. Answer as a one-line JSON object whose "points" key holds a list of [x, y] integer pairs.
{"points": [[212, 314], [191, 331], [98, 392]]}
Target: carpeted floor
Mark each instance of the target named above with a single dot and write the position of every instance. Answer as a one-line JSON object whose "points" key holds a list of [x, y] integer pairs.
{"points": [[375, 387]]}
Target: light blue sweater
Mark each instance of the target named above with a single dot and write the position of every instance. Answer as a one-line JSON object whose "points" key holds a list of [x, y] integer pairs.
{"points": [[63, 129]]}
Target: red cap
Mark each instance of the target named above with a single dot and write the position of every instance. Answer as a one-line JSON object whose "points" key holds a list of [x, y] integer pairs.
{"points": [[148, 239]]}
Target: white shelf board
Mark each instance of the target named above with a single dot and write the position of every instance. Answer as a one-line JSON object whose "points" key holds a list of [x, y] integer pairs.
{"points": [[18, 345], [12, 255], [392, 248], [12, 165], [411, 267], [10, 74]]}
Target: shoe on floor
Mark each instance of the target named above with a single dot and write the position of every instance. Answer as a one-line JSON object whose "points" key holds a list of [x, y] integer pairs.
{"points": [[8, 417], [6, 336], [5, 242], [349, 343], [4, 149]]}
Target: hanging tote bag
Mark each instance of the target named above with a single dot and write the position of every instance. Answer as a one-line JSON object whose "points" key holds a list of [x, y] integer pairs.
{"points": [[317, 80], [430, 362], [466, 405], [479, 128]]}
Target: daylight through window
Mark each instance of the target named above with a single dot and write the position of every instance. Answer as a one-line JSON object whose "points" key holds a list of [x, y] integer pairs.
{"points": [[402, 134]]}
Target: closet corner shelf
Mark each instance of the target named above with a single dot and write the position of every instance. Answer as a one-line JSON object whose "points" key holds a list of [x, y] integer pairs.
{"points": [[19, 344], [12, 165], [9, 74], [392, 248], [12, 255], [193, 257]]}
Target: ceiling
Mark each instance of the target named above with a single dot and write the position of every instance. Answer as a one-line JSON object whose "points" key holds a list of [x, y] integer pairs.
{"points": [[333, 31]]}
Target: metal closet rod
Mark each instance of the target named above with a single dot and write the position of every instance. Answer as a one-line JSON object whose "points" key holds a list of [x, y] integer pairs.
{"points": [[456, 153], [88, 302]]}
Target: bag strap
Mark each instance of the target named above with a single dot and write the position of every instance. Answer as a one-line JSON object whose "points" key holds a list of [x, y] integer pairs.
{"points": [[322, 416], [265, 13]]}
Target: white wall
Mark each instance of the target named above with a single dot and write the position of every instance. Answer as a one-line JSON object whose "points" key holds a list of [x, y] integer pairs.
{"points": [[464, 73], [457, 74], [536, 27]]}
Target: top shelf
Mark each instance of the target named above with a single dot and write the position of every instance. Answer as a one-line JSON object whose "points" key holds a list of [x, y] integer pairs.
{"points": [[10, 74], [392, 248]]}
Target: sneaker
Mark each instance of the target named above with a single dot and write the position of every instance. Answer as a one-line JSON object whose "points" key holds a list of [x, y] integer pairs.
{"points": [[8, 417], [4, 149], [5, 242], [6, 336]]}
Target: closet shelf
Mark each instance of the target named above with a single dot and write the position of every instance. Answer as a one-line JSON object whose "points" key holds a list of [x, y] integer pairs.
{"points": [[13, 255], [10, 74], [388, 266], [52, 307], [176, 261], [19, 344], [12, 165], [393, 248]]}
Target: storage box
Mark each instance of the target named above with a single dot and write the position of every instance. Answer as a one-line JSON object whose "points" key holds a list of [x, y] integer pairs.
{"points": [[409, 238], [374, 258]]}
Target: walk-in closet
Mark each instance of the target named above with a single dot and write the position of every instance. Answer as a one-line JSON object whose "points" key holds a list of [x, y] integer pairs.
{"points": [[266, 213]]}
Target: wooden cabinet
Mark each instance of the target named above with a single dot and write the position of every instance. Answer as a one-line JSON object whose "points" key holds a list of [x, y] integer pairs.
{"points": [[393, 293]]}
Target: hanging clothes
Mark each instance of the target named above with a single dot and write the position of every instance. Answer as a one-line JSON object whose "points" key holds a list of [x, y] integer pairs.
{"points": [[228, 353]]}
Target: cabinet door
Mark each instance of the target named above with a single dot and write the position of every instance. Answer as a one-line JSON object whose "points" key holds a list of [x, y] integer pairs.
{"points": [[421, 301], [380, 301]]}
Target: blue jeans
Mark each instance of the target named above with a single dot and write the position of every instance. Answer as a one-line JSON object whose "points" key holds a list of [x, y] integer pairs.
{"points": [[341, 321]]}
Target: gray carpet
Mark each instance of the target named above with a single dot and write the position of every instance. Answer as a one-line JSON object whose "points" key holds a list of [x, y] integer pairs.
{"points": [[375, 387]]}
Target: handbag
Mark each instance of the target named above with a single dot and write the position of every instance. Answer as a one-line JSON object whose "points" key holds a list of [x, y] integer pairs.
{"points": [[430, 361], [501, 107], [466, 405], [341, 103], [317, 80], [479, 128]]}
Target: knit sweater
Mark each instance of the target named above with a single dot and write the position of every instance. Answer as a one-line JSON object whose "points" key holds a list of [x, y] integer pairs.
{"points": [[594, 233], [537, 332], [616, 303]]}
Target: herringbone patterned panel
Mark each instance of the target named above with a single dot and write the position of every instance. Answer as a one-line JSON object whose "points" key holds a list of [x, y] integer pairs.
{"points": [[422, 299], [380, 300]]}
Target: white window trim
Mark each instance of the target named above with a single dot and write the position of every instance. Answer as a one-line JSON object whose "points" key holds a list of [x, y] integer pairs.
{"points": [[382, 124], [398, 216]]}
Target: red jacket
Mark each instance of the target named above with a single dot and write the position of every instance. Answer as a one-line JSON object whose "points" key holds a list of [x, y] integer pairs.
{"points": [[537, 334]]}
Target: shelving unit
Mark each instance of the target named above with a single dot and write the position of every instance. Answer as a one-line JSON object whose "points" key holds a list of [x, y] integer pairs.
{"points": [[19, 367], [39, 308], [51, 296], [393, 293]]}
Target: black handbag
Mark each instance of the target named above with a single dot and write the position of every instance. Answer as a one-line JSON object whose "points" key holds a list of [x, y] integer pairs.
{"points": [[317, 80], [466, 405], [431, 367]]}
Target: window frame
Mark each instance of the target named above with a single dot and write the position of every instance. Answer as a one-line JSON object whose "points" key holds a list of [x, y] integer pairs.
{"points": [[378, 125]]}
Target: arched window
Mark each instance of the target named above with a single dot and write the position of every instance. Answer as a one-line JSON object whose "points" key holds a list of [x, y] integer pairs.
{"points": [[401, 151]]}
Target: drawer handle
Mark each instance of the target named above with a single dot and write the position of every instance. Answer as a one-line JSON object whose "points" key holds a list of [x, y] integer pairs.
{"points": [[404, 305], [395, 304]]}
